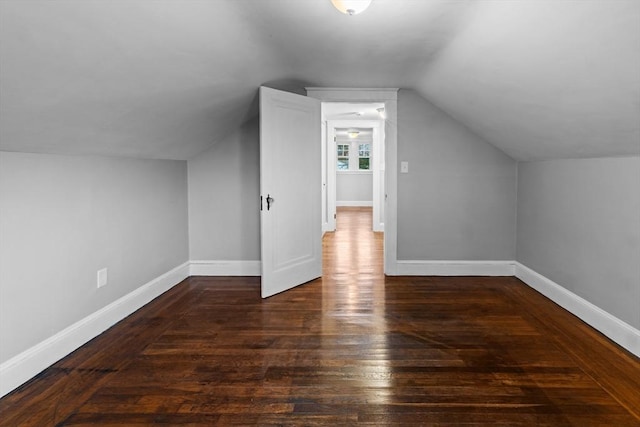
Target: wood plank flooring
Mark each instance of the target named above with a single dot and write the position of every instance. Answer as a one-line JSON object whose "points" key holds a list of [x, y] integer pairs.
{"points": [[352, 348]]}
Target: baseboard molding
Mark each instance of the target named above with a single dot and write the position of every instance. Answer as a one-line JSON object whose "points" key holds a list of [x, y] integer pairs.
{"points": [[225, 268], [355, 203], [455, 268], [620, 332], [24, 366]]}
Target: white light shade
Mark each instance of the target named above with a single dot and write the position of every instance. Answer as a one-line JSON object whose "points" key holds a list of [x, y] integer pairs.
{"points": [[353, 133], [351, 7]]}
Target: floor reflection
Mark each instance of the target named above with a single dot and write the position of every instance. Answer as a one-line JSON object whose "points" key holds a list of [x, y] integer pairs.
{"points": [[354, 303]]}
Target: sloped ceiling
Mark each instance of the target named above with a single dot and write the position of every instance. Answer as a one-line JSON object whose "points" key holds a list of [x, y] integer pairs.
{"points": [[168, 78], [545, 79]]}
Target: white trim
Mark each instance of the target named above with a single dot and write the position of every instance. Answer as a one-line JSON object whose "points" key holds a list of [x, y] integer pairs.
{"points": [[354, 172], [378, 153], [332, 171], [326, 220], [32, 361], [342, 94], [390, 136], [225, 268], [354, 203], [619, 331], [22, 367], [455, 268]]}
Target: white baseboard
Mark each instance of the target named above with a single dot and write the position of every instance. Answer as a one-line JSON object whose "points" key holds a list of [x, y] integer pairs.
{"points": [[455, 268], [225, 268], [32, 361], [620, 332], [22, 367], [355, 203]]}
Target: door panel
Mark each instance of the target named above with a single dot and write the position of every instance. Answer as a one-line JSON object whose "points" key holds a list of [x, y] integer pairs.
{"points": [[291, 221]]}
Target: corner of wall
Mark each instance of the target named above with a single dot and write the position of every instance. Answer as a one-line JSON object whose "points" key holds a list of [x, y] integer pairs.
{"points": [[620, 332], [30, 362], [516, 213]]}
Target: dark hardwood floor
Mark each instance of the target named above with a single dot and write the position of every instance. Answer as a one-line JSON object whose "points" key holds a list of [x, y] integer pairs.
{"points": [[352, 348]]}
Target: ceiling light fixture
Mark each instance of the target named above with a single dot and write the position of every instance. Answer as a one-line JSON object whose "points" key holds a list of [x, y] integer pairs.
{"points": [[353, 134], [351, 7]]}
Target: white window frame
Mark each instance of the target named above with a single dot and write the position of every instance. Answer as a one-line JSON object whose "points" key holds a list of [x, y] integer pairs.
{"points": [[354, 156], [349, 155], [369, 155]]}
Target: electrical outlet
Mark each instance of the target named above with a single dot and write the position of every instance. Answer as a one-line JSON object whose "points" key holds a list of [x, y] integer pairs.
{"points": [[102, 277]]}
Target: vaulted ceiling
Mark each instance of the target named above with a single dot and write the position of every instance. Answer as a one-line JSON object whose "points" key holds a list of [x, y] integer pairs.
{"points": [[168, 78]]}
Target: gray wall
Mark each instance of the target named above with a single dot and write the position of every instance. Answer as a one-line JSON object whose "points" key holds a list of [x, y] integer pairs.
{"points": [[62, 218], [458, 201], [224, 198], [579, 225], [354, 187]]}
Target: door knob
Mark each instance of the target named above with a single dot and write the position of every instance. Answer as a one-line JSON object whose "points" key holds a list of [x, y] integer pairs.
{"points": [[270, 200]]}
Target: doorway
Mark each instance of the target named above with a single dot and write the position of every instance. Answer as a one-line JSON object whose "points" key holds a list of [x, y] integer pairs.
{"points": [[353, 160], [297, 255], [389, 98]]}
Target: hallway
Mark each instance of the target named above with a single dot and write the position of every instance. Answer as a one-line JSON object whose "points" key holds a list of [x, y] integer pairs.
{"points": [[352, 255]]}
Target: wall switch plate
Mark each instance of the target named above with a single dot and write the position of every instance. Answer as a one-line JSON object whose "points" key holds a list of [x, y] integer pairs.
{"points": [[102, 277], [404, 167]]}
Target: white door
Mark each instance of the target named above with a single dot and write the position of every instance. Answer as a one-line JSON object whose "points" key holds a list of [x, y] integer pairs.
{"points": [[290, 188]]}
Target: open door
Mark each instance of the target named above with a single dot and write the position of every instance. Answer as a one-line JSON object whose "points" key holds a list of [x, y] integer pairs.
{"points": [[290, 190]]}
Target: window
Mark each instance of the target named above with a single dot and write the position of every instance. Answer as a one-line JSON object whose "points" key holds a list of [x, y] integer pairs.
{"points": [[353, 156], [343, 157], [364, 156]]}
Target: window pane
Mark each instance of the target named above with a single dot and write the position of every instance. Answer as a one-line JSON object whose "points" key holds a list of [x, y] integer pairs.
{"points": [[364, 154], [343, 150], [343, 164]]}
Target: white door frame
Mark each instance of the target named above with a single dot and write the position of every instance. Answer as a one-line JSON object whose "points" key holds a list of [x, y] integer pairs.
{"points": [[326, 219], [389, 97], [377, 169]]}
